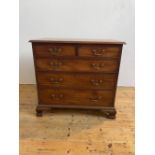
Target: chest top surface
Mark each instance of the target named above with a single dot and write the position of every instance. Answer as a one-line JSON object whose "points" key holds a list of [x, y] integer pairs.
{"points": [[77, 41]]}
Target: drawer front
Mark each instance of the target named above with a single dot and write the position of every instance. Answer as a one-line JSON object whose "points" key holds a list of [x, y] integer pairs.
{"points": [[98, 81], [52, 50], [108, 66], [76, 97], [100, 51]]}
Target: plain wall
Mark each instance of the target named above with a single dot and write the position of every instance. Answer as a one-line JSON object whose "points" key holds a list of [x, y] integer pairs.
{"points": [[91, 19]]}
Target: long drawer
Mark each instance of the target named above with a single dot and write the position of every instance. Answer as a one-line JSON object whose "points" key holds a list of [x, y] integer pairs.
{"points": [[76, 97], [98, 81], [106, 65]]}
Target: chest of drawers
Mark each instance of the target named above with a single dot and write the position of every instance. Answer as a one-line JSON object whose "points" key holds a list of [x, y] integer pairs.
{"points": [[77, 74]]}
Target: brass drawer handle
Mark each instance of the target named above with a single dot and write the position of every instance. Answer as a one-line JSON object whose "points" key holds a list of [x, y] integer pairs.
{"points": [[95, 98], [96, 82], [98, 52], [55, 51], [55, 65], [61, 96], [57, 96], [53, 96], [97, 66], [56, 81]]}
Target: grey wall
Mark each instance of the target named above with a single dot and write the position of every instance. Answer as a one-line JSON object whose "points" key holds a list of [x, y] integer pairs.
{"points": [[100, 19]]}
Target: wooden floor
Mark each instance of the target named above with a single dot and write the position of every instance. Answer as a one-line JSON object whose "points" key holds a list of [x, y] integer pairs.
{"points": [[76, 132]]}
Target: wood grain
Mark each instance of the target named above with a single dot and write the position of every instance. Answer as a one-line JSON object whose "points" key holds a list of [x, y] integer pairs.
{"points": [[76, 132]]}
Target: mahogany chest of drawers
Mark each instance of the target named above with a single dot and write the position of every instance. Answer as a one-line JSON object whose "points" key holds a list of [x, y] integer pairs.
{"points": [[77, 74]]}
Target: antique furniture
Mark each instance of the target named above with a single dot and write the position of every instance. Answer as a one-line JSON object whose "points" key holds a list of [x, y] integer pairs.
{"points": [[77, 74]]}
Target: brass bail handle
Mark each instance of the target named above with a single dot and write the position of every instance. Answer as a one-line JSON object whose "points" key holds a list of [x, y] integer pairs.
{"points": [[56, 80], [96, 98], [55, 65], [57, 96], [55, 51], [98, 52], [96, 82], [97, 66]]}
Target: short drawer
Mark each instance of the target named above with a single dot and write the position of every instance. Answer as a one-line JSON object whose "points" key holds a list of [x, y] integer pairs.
{"points": [[98, 81], [76, 97], [47, 50], [108, 66], [108, 51]]}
